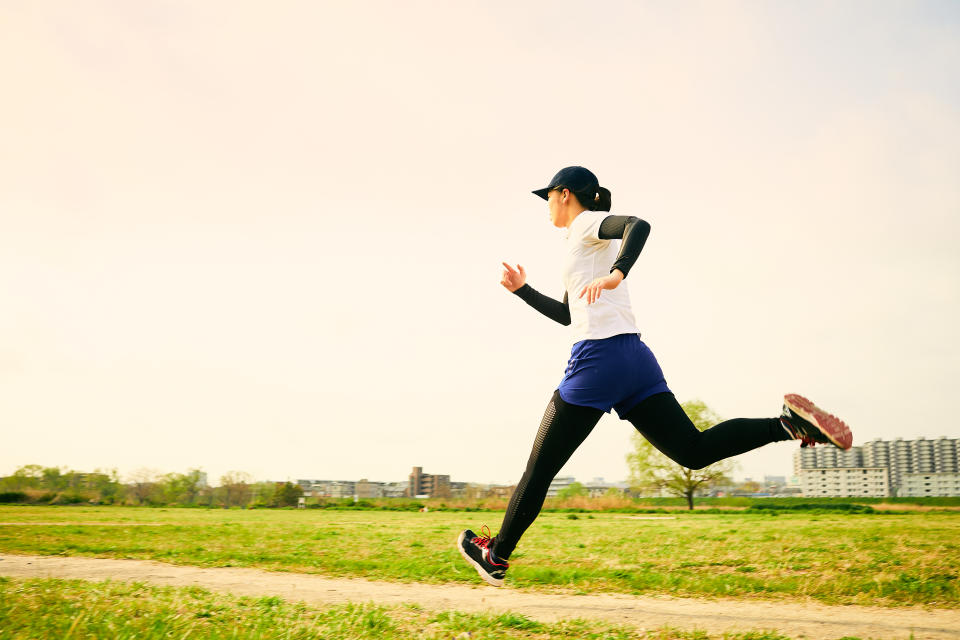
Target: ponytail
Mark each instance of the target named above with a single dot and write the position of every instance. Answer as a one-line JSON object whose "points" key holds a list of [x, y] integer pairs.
{"points": [[603, 200], [595, 199]]}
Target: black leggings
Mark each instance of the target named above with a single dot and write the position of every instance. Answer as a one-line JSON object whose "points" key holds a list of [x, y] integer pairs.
{"points": [[659, 418]]}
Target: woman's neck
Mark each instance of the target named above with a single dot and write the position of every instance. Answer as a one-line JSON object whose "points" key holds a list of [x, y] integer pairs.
{"points": [[573, 216]]}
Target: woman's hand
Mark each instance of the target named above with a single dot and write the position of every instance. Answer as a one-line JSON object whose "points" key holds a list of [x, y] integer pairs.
{"points": [[513, 279], [592, 290]]}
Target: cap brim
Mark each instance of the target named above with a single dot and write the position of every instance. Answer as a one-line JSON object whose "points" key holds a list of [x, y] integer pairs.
{"points": [[541, 192]]}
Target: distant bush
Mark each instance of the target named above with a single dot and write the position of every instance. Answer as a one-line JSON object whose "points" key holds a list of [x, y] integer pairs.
{"points": [[69, 497], [847, 507], [12, 496], [585, 503], [361, 504], [389, 504], [402, 505]]}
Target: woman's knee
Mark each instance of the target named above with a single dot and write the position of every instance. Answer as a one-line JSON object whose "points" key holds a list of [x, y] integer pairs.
{"points": [[696, 462], [691, 458]]}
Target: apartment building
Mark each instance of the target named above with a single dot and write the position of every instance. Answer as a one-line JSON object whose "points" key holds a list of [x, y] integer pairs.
{"points": [[917, 485], [881, 468], [367, 489], [328, 488], [872, 482], [396, 489], [425, 484]]}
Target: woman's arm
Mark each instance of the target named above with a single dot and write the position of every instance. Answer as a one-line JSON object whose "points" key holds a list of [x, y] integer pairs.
{"points": [[515, 281], [553, 309], [633, 231]]}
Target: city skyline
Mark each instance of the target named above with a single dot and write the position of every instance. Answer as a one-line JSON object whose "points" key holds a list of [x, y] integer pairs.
{"points": [[738, 474], [878, 468], [834, 455]]}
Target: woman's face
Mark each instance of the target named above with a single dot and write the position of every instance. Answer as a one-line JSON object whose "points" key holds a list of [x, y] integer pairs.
{"points": [[555, 206]]}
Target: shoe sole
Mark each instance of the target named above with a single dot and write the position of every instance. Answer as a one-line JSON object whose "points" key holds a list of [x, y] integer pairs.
{"points": [[830, 425], [483, 574]]}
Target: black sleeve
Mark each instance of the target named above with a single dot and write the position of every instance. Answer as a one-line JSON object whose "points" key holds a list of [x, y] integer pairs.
{"points": [[558, 311], [633, 231]]}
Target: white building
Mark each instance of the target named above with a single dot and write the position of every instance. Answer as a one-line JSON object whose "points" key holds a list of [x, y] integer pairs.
{"points": [[873, 482], [929, 484], [881, 468], [558, 484], [395, 489], [600, 487], [327, 488]]}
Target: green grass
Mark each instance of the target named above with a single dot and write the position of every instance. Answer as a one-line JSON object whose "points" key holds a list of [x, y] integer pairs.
{"points": [[75, 609], [837, 558]]}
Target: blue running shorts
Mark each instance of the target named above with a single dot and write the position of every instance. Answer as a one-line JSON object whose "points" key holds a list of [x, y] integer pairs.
{"points": [[614, 373]]}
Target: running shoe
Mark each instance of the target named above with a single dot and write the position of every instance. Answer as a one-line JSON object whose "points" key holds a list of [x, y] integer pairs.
{"points": [[810, 424], [476, 550]]}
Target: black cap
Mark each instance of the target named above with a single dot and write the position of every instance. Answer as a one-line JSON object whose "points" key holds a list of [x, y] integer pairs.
{"points": [[577, 179]]}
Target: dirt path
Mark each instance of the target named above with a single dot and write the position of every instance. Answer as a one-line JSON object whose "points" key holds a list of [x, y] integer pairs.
{"points": [[808, 620]]}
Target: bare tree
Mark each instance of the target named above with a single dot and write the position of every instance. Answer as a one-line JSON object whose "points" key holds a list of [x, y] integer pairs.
{"points": [[236, 488], [474, 491], [143, 483]]}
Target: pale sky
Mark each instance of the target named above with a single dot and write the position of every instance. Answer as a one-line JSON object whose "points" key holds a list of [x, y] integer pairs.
{"points": [[267, 236]]}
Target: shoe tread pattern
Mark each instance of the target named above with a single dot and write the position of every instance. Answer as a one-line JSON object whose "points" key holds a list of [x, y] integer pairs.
{"points": [[835, 429]]}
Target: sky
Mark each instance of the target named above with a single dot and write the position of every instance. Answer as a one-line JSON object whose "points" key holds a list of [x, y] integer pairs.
{"points": [[266, 237]]}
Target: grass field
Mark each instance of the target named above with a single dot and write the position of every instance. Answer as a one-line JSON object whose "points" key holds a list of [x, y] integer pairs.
{"points": [[886, 560], [75, 609]]}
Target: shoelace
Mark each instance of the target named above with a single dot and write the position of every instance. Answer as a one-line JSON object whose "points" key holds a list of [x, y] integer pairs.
{"points": [[483, 541]]}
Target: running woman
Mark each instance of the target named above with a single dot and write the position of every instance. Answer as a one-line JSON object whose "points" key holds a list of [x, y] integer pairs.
{"points": [[611, 368]]}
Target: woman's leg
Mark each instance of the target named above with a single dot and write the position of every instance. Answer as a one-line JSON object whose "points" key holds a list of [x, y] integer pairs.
{"points": [[563, 428], [662, 421]]}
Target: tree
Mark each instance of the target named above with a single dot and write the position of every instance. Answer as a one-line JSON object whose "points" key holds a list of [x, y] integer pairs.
{"points": [[54, 479], [650, 469], [26, 477], [143, 484], [749, 486], [572, 490], [287, 494], [236, 488], [275, 494], [182, 488], [107, 485], [474, 491], [263, 494]]}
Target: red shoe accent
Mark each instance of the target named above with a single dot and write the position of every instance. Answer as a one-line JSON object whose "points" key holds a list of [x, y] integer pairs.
{"points": [[484, 541], [830, 425]]}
